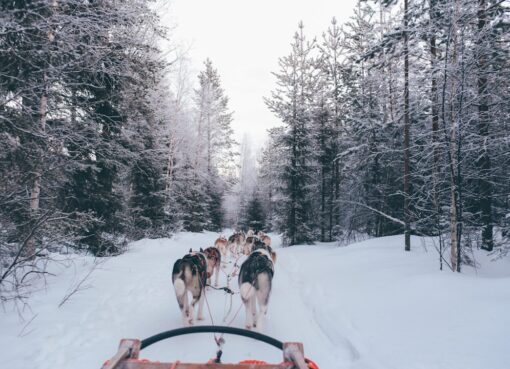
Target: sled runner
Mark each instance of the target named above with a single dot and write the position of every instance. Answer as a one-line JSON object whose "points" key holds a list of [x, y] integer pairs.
{"points": [[127, 357]]}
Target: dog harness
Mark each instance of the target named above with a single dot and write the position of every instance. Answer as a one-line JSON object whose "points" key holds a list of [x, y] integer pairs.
{"points": [[198, 262], [267, 254]]}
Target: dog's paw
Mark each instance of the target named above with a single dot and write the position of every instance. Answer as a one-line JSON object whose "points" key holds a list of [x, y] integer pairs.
{"points": [[248, 327], [200, 317]]}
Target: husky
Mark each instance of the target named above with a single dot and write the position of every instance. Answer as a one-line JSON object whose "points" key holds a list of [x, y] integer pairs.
{"points": [[264, 238], [255, 282], [222, 244], [235, 242], [190, 275], [249, 243], [213, 256]]}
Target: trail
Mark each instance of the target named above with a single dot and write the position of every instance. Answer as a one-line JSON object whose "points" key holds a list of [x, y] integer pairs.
{"points": [[132, 296]]}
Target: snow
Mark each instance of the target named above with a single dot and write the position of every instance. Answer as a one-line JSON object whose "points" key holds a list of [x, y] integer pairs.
{"points": [[367, 305]]}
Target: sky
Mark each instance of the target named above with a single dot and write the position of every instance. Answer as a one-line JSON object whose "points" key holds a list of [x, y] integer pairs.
{"points": [[244, 39]]}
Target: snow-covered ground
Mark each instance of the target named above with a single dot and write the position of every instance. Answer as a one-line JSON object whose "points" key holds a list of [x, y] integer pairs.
{"points": [[368, 305]]}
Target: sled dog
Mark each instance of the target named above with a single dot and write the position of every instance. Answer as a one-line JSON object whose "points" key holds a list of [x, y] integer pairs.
{"points": [[249, 243], [255, 281], [264, 238], [213, 257], [235, 242], [190, 275], [221, 244]]}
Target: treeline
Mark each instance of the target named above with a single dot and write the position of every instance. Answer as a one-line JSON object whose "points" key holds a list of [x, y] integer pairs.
{"points": [[102, 139], [395, 122]]}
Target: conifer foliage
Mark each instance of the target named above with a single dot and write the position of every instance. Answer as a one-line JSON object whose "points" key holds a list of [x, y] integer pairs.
{"points": [[98, 145], [292, 103], [392, 124], [210, 163]]}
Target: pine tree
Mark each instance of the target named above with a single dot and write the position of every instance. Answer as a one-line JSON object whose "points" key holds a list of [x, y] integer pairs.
{"points": [[270, 181], [192, 198], [215, 134], [215, 143], [246, 184], [147, 202], [291, 103], [255, 214]]}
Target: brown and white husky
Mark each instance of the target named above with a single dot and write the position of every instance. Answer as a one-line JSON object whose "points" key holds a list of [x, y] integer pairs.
{"points": [[264, 238], [250, 241], [222, 244], [213, 257], [235, 243]]}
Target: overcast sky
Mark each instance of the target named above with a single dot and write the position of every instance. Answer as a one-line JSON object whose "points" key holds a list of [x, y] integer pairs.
{"points": [[244, 39]]}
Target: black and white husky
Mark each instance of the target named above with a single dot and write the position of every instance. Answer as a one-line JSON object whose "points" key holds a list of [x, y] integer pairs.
{"points": [[190, 275], [255, 281]]}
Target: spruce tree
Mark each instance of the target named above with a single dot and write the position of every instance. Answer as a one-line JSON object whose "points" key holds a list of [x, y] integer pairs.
{"points": [[215, 146], [291, 102], [255, 214]]}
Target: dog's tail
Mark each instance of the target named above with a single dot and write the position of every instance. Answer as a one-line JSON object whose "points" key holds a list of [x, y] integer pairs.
{"points": [[247, 291], [181, 274]]}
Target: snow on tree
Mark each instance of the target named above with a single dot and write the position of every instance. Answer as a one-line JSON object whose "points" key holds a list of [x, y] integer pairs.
{"points": [[291, 101], [413, 97]]}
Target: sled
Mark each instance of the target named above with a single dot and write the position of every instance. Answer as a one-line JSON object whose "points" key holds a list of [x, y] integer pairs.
{"points": [[127, 357]]}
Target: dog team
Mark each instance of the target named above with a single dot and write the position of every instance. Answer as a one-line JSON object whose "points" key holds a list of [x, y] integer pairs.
{"points": [[193, 273]]}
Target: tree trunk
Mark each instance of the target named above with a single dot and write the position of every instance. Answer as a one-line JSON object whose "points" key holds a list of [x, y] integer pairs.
{"points": [[454, 221], [407, 123], [35, 191], [209, 143], [435, 112], [332, 198], [170, 164], [453, 226], [484, 162], [456, 107], [435, 128], [323, 204]]}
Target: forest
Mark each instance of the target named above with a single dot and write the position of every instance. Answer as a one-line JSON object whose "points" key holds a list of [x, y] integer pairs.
{"points": [[395, 122], [102, 137]]}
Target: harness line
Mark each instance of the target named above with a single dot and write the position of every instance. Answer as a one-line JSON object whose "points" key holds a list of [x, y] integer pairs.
{"points": [[227, 289], [221, 341]]}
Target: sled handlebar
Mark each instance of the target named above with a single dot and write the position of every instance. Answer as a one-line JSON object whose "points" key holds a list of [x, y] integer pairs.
{"points": [[211, 329], [127, 356]]}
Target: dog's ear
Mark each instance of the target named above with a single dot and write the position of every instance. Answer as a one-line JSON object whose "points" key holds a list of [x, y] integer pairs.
{"points": [[201, 250], [190, 250]]}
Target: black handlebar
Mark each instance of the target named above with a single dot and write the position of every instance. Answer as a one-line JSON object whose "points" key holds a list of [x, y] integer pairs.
{"points": [[211, 329]]}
